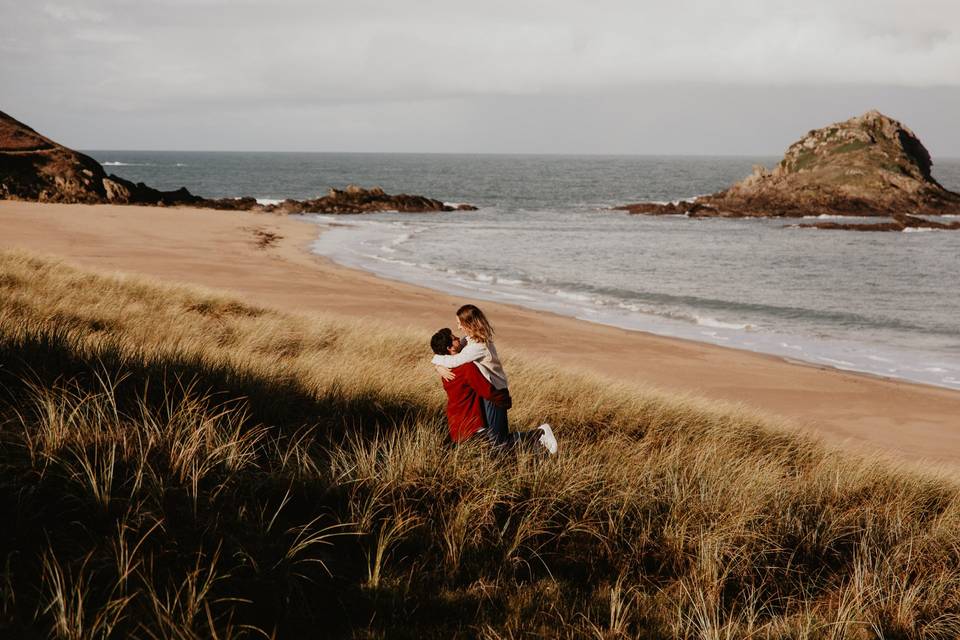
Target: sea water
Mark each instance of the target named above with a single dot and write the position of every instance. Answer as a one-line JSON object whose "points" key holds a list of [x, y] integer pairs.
{"points": [[545, 238]]}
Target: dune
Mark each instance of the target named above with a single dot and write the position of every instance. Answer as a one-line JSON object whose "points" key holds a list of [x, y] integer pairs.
{"points": [[264, 259]]}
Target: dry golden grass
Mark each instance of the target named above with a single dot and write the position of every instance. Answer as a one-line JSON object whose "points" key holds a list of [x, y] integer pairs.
{"points": [[177, 464]]}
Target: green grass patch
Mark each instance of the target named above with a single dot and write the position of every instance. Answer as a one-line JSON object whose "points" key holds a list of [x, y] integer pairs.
{"points": [[849, 147]]}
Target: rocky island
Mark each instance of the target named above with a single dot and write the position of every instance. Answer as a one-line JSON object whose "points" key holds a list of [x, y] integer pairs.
{"points": [[870, 165], [34, 167]]}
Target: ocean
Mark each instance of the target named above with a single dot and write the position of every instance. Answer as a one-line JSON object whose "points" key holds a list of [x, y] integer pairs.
{"points": [[545, 238]]}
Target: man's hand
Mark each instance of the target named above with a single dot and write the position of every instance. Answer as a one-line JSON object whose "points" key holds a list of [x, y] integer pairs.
{"points": [[445, 373], [501, 398]]}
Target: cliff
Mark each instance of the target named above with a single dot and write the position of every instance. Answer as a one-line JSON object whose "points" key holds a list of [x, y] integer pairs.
{"points": [[34, 167]]}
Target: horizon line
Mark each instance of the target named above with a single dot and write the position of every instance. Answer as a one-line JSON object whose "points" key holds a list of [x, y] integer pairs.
{"points": [[473, 153]]}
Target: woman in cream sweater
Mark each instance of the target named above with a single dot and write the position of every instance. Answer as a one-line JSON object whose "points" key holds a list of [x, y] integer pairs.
{"points": [[481, 351]]}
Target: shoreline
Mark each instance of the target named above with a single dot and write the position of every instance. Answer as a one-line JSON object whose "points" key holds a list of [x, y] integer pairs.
{"points": [[912, 420], [353, 244]]}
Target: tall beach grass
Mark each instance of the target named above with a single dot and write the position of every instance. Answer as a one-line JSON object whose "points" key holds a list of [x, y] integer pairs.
{"points": [[176, 463]]}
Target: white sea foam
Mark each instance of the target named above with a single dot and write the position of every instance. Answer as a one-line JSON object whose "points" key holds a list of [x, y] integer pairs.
{"points": [[570, 295], [391, 247], [379, 258], [678, 200], [115, 163], [838, 363], [266, 201], [706, 321]]}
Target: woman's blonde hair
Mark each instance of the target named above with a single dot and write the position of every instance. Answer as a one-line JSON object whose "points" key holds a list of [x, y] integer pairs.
{"points": [[475, 323]]}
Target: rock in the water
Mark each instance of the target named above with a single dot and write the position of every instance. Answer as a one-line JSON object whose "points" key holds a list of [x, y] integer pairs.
{"points": [[870, 165], [900, 222], [355, 199], [33, 167]]}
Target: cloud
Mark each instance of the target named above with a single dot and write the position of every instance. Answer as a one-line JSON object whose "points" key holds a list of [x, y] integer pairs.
{"points": [[208, 56], [72, 13], [363, 50]]}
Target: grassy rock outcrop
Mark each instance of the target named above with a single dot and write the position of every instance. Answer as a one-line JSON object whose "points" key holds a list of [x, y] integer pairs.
{"points": [[870, 165]]}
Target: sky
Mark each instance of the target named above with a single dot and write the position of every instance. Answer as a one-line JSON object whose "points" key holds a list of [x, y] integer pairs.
{"points": [[522, 76]]}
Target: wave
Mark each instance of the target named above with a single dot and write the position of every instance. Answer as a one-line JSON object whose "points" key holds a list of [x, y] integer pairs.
{"points": [[839, 364], [679, 200], [117, 163], [667, 305], [705, 321], [390, 260], [696, 310], [685, 316], [572, 295]]}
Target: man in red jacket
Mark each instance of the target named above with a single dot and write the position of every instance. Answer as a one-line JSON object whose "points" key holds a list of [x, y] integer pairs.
{"points": [[464, 410]]}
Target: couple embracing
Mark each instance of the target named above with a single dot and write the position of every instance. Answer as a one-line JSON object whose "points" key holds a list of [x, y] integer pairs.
{"points": [[476, 385]]}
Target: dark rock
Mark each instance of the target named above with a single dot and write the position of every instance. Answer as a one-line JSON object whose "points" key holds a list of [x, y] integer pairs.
{"points": [[33, 167], [355, 199], [900, 222]]}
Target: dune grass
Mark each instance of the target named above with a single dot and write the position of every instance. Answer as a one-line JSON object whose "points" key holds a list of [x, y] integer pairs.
{"points": [[179, 464]]}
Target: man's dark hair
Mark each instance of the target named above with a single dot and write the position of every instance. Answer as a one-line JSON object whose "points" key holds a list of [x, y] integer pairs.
{"points": [[441, 342]]}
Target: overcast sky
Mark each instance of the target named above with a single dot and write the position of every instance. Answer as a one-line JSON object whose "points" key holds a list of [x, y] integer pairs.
{"points": [[557, 76]]}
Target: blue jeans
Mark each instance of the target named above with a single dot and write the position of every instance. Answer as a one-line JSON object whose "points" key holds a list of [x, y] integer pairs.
{"points": [[497, 431]]}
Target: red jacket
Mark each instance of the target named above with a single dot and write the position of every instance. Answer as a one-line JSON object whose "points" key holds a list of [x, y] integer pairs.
{"points": [[464, 409]]}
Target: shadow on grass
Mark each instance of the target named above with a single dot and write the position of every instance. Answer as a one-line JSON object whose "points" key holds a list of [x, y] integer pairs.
{"points": [[242, 524], [281, 403]]}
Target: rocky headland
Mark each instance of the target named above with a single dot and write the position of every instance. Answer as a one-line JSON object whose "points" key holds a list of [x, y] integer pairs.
{"points": [[34, 167], [869, 165]]}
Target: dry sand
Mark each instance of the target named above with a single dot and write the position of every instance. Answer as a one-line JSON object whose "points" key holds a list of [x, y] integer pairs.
{"points": [[225, 250]]}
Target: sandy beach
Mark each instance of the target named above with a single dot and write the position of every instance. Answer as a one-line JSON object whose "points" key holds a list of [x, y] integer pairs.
{"points": [[234, 251]]}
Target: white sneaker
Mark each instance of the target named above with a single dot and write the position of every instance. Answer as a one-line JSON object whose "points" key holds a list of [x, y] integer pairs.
{"points": [[548, 440]]}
